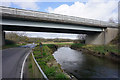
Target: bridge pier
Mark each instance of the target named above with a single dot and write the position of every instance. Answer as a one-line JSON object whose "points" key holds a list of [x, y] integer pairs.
{"points": [[102, 38], [2, 38]]}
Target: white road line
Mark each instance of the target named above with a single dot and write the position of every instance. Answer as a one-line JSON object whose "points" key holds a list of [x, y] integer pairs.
{"points": [[40, 68], [21, 75]]}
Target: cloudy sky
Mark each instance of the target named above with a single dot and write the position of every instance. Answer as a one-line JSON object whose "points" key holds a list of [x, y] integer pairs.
{"points": [[92, 9]]}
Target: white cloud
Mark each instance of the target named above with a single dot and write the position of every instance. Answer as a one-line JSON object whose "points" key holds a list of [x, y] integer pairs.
{"points": [[93, 9], [51, 35], [48, 35]]}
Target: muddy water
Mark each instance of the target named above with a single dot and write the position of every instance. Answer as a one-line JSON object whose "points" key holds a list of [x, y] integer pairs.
{"points": [[85, 66]]}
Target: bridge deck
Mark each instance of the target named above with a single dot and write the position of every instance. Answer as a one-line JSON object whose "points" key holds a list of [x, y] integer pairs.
{"points": [[41, 16]]}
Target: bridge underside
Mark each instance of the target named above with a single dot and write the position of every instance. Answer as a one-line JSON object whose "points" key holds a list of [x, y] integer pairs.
{"points": [[42, 29], [41, 26], [95, 35]]}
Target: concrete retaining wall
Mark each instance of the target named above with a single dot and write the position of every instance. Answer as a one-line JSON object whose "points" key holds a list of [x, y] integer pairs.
{"points": [[110, 34]]}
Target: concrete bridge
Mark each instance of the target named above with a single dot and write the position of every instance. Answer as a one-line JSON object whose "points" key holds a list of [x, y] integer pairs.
{"points": [[98, 32]]}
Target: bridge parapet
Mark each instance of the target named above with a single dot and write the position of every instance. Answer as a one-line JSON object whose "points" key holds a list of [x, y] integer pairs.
{"points": [[35, 15]]}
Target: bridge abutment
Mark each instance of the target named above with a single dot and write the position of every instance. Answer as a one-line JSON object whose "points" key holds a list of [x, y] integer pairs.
{"points": [[102, 38], [95, 38]]}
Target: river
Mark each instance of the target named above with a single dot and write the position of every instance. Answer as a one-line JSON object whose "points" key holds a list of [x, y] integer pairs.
{"points": [[84, 65]]}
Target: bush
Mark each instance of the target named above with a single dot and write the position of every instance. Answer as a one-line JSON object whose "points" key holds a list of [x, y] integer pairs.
{"points": [[50, 71], [60, 76], [44, 54], [35, 52], [51, 46], [42, 63]]}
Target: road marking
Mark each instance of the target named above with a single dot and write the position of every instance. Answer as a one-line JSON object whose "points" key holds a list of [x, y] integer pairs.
{"points": [[21, 75]]}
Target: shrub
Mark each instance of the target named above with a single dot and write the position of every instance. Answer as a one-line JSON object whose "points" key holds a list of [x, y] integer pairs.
{"points": [[60, 76], [49, 71]]}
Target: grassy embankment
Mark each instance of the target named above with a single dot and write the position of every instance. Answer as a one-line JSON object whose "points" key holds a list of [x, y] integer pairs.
{"points": [[110, 51], [64, 43], [101, 49], [58, 43], [112, 47], [47, 62]]}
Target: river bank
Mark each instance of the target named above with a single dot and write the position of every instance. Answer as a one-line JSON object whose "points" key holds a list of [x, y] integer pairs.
{"points": [[108, 51], [49, 65], [85, 66]]}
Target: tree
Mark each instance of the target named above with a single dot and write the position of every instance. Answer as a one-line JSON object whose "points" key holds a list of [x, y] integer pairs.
{"points": [[111, 20], [11, 36], [16, 36], [81, 36]]}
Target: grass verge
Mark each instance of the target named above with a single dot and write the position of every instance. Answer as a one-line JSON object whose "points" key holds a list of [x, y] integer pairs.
{"points": [[45, 59], [77, 45], [102, 49]]}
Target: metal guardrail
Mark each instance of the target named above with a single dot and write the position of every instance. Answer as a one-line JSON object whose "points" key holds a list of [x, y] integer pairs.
{"points": [[23, 66], [45, 77]]}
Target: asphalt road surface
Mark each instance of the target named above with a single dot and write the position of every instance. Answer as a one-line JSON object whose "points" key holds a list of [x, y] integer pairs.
{"points": [[12, 60]]}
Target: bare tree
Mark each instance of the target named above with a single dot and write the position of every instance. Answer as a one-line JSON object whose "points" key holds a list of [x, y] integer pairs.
{"points": [[111, 20], [81, 36], [21, 33]]}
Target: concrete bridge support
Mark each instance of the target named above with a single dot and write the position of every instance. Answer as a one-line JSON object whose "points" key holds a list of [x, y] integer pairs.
{"points": [[102, 38], [2, 38]]}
